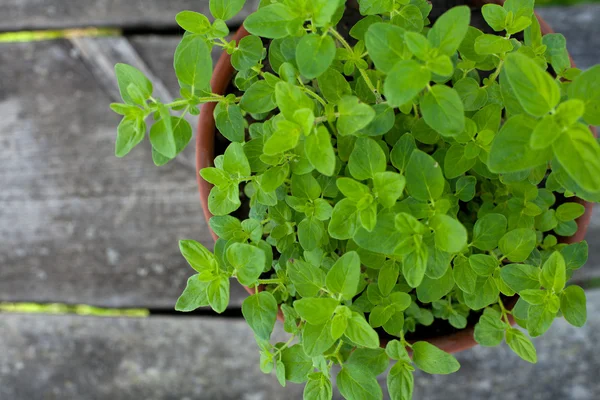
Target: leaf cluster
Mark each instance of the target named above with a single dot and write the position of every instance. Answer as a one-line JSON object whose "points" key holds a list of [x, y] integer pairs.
{"points": [[407, 173]]}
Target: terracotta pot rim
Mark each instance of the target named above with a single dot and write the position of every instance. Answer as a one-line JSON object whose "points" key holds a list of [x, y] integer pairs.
{"points": [[223, 73]]}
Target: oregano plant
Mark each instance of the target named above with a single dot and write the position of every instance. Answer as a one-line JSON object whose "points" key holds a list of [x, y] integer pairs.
{"points": [[399, 175]]}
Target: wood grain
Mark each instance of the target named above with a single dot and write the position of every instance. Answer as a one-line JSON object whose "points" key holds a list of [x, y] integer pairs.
{"points": [[18, 15]]}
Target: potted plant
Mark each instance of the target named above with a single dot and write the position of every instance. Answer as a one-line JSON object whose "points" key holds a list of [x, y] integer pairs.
{"points": [[396, 192]]}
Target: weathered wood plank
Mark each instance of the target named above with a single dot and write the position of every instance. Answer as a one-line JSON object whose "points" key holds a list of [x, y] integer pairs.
{"points": [[78, 225], [67, 357], [580, 26], [56, 14]]}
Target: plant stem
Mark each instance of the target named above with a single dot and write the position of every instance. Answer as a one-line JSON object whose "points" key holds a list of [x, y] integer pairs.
{"points": [[494, 76], [269, 281], [505, 312], [315, 96]]}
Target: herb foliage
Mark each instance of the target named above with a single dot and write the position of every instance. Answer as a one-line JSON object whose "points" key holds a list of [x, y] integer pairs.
{"points": [[403, 174]]}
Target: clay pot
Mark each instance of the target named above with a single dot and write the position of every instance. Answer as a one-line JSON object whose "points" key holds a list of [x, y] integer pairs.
{"points": [[205, 140]]}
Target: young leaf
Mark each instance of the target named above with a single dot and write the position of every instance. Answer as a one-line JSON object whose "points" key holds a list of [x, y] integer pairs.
{"points": [[586, 87], [128, 75], [388, 187], [319, 151], [194, 295], [573, 305], [193, 22], [130, 133], [218, 294], [316, 311], [366, 160], [248, 261], [318, 388], [424, 178], [353, 115], [193, 62], [495, 16], [270, 22], [443, 110], [432, 360], [450, 234], [517, 245], [400, 382], [488, 231], [450, 29], [554, 273], [343, 277], [291, 98], [582, 168], [520, 344], [314, 55], [537, 92], [260, 311], [354, 384], [404, 81]]}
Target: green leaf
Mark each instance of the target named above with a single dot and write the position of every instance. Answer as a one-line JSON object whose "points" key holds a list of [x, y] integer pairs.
{"points": [[489, 331], [260, 311], [456, 162], [569, 211], [218, 294], [248, 261], [388, 187], [366, 160], [194, 295], [414, 266], [324, 10], [517, 245], [404, 81], [199, 258], [193, 63], [373, 7], [226, 9], [344, 220], [483, 264], [582, 168], [270, 22], [230, 121], [488, 231], [310, 233], [443, 110], [450, 29], [495, 16], [521, 277], [316, 311], [316, 339], [450, 234], [373, 361], [353, 115], [472, 96], [424, 178], [573, 306], [285, 138], [297, 364], [511, 151], [235, 161], [586, 87], [314, 55], [431, 290], [360, 332], [432, 360], [535, 89], [130, 133], [343, 277], [193, 22], [492, 44], [354, 384], [554, 273], [400, 382], [307, 278], [556, 52], [128, 75], [486, 294], [521, 344], [259, 98], [540, 318], [385, 44], [291, 98], [465, 188], [418, 45], [410, 18], [333, 86], [248, 53], [320, 152], [464, 276], [545, 133], [402, 151], [382, 123], [318, 387]]}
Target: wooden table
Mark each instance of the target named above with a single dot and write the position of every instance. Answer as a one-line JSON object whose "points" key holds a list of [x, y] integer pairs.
{"points": [[79, 226]]}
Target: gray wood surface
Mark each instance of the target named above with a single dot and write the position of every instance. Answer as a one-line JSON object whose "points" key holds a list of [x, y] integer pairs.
{"points": [[77, 224], [158, 358], [59, 14]]}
